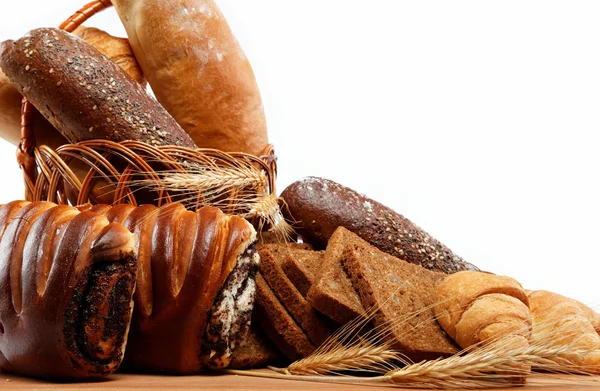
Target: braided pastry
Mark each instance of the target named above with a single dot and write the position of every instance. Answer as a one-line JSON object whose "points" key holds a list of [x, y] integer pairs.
{"points": [[66, 286], [195, 286]]}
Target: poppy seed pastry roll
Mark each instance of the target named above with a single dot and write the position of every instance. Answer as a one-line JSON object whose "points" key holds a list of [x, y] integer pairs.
{"points": [[66, 291], [195, 286]]}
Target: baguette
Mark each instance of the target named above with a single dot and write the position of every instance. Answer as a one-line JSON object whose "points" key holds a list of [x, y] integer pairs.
{"points": [[83, 93], [198, 71]]}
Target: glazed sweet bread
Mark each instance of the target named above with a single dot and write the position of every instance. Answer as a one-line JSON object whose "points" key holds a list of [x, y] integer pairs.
{"points": [[66, 287], [195, 286]]}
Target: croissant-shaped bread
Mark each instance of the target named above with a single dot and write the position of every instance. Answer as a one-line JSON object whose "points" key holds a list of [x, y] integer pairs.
{"points": [[560, 320], [66, 287], [476, 307], [195, 286]]}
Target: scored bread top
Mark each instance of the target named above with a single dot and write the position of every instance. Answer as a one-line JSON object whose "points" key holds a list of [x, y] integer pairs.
{"points": [[403, 294]]}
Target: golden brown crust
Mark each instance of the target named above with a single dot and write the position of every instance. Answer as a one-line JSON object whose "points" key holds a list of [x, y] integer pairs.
{"points": [[560, 320], [494, 316], [10, 111], [184, 259], [198, 71], [458, 292]]}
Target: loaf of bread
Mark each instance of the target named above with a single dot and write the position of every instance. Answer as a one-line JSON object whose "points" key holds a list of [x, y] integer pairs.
{"points": [[66, 291], [195, 286], [475, 307], [197, 71], [83, 93], [117, 49], [317, 207], [560, 321]]}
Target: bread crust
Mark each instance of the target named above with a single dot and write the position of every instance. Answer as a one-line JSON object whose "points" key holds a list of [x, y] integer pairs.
{"points": [[197, 71], [83, 93], [459, 291], [318, 206]]}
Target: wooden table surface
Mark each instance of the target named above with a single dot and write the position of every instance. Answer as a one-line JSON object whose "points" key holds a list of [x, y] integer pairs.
{"points": [[225, 382]]}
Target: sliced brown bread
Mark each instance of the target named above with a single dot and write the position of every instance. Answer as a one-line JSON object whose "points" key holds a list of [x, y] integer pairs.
{"points": [[255, 351], [403, 293], [270, 258], [302, 268], [333, 293], [278, 324]]}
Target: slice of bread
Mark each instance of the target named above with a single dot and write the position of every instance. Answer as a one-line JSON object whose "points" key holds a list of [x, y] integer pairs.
{"points": [[308, 319], [332, 293], [403, 294], [255, 351], [302, 268], [278, 324]]}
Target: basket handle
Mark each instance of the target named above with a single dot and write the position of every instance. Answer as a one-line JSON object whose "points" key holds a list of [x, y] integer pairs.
{"points": [[86, 12]]}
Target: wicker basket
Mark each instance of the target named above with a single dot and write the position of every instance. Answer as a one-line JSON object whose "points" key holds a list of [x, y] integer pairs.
{"points": [[48, 176]]}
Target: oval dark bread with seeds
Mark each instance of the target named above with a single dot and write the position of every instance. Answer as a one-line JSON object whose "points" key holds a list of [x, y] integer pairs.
{"points": [[84, 94], [318, 206]]}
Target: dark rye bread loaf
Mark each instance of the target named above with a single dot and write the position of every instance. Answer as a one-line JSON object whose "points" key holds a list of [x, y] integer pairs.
{"points": [[84, 94], [278, 325], [403, 294], [332, 293], [318, 206], [255, 351], [302, 268], [308, 319]]}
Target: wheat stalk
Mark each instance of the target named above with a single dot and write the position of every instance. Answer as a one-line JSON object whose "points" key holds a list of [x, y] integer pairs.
{"points": [[359, 357], [490, 364]]}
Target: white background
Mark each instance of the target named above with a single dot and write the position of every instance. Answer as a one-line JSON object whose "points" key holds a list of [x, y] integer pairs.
{"points": [[478, 120]]}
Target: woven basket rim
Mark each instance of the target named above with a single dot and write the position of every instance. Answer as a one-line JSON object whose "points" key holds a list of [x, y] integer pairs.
{"points": [[29, 154]]}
